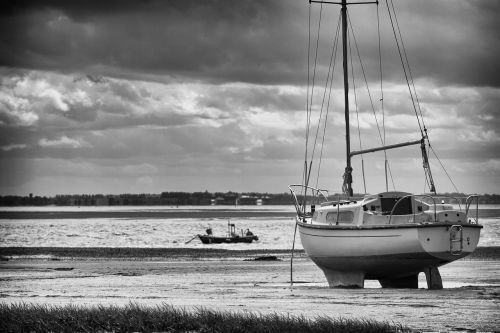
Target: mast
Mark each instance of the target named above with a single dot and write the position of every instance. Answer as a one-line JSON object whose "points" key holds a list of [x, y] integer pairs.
{"points": [[347, 186], [348, 169]]}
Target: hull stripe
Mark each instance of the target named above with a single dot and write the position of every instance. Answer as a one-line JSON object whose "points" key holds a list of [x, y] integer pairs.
{"points": [[388, 226], [351, 236]]}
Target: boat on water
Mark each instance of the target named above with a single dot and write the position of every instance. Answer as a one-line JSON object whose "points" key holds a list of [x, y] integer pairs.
{"points": [[391, 236], [231, 236]]}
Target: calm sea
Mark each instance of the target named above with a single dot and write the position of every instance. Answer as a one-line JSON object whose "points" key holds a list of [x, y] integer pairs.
{"points": [[274, 232]]}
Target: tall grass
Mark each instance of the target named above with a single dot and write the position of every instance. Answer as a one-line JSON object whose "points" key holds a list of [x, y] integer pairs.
{"points": [[166, 318]]}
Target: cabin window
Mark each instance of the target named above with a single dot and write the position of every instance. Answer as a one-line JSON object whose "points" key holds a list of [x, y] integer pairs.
{"points": [[403, 206], [343, 217]]}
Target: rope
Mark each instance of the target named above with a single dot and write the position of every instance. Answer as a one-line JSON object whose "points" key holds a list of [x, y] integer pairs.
{"points": [[291, 258]]}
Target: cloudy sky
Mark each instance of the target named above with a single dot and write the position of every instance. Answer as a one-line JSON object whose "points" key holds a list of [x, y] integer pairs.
{"points": [[149, 96]]}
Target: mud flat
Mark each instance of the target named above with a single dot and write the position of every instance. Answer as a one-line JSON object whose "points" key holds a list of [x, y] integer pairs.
{"points": [[56, 253], [232, 280]]}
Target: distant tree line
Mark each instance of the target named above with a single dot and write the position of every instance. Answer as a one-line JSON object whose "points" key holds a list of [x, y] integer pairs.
{"points": [[187, 198], [165, 198]]}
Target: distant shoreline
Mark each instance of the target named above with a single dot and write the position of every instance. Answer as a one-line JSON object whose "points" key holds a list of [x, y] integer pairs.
{"points": [[194, 213], [167, 214], [59, 253]]}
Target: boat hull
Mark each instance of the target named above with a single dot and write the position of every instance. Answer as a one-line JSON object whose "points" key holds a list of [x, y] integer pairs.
{"points": [[349, 255], [206, 239]]}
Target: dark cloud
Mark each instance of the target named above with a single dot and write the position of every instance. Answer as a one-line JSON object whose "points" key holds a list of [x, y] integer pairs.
{"points": [[212, 93], [247, 41], [211, 40]]}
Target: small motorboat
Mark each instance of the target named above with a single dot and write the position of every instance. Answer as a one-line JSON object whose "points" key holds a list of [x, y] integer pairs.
{"points": [[231, 237]]}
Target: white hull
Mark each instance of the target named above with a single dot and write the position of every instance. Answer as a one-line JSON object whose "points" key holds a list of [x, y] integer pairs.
{"points": [[389, 253]]}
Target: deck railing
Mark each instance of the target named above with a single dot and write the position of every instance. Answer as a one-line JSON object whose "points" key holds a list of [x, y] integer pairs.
{"points": [[470, 199], [413, 196], [444, 196], [316, 194]]}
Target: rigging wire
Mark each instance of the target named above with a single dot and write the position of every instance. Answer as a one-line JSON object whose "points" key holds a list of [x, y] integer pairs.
{"points": [[357, 116], [331, 69], [304, 175], [427, 170], [386, 161], [310, 93], [381, 75], [403, 64], [408, 65], [444, 169], [309, 111], [390, 174], [308, 119], [382, 138], [326, 87], [366, 81]]}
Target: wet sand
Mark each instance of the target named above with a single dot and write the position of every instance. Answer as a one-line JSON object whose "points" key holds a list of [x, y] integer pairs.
{"points": [[232, 280]]}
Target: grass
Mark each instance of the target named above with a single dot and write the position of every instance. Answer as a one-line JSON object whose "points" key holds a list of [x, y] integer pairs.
{"points": [[166, 318]]}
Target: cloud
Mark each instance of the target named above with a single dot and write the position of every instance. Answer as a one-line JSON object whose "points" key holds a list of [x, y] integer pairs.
{"points": [[14, 146], [187, 38], [63, 141], [242, 41], [173, 91], [16, 111], [139, 169]]}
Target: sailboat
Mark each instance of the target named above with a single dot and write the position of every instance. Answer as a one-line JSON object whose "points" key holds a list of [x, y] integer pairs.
{"points": [[391, 236]]}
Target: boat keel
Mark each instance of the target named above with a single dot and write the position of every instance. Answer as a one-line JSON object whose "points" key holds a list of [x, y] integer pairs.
{"points": [[433, 278], [340, 279]]}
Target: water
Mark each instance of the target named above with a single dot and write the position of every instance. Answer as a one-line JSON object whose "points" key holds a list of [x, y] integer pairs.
{"points": [[274, 232]]}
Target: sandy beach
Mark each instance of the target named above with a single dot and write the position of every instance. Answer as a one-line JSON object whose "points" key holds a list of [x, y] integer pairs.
{"points": [[76, 256], [235, 281]]}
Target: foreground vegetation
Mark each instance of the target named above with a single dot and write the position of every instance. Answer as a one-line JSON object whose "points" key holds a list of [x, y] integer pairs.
{"points": [[166, 318]]}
